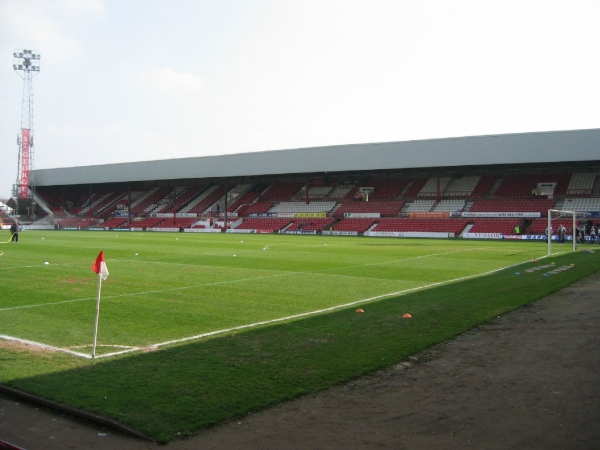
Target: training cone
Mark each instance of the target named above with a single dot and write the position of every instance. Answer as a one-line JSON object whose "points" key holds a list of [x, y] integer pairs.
{"points": [[359, 310], [535, 260], [406, 316]]}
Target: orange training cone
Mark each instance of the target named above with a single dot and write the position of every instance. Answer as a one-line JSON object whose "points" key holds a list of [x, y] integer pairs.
{"points": [[406, 316], [359, 310], [535, 260]]}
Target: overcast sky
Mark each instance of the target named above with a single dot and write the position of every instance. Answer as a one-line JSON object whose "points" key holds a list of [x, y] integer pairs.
{"points": [[132, 80]]}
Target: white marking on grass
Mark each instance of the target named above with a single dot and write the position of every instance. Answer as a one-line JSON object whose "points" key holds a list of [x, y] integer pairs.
{"points": [[332, 308], [126, 348], [157, 291], [397, 260], [129, 349], [46, 304], [44, 346], [311, 271], [216, 283], [30, 267], [118, 353]]}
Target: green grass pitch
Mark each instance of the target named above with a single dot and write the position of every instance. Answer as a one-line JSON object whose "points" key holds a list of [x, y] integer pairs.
{"points": [[238, 322]]}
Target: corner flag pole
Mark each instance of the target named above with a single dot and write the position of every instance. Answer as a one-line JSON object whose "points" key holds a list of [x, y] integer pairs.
{"points": [[100, 268], [97, 315]]}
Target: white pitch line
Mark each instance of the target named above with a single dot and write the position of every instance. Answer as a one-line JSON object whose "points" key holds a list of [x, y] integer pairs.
{"points": [[332, 308], [35, 265], [44, 346], [127, 349], [122, 352], [161, 291], [46, 304], [266, 322], [158, 291], [399, 260]]}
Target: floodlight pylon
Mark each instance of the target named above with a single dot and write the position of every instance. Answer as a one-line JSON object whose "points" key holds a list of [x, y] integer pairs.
{"points": [[27, 65]]}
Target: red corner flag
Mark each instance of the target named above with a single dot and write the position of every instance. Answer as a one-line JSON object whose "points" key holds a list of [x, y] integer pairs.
{"points": [[100, 266]]}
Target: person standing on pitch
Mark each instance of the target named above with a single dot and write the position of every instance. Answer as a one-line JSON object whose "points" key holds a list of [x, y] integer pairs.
{"points": [[14, 230], [561, 232]]}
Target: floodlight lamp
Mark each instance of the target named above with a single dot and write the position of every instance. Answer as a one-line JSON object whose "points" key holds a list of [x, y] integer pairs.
{"points": [[20, 55], [15, 54], [15, 66], [20, 66]]}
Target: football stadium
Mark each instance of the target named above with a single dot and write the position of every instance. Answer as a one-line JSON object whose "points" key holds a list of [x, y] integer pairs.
{"points": [[231, 284], [473, 187]]}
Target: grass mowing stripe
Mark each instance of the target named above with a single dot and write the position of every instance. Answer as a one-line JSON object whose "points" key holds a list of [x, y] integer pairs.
{"points": [[432, 255], [333, 308], [159, 291], [31, 267], [335, 268], [252, 325], [46, 304]]}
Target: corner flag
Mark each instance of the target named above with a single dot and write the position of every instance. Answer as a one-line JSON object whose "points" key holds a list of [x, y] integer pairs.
{"points": [[100, 266]]}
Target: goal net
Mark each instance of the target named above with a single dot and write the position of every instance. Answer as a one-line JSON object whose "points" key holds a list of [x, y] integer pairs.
{"points": [[563, 227]]}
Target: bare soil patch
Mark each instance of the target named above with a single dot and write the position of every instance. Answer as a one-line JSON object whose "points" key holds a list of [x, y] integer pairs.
{"points": [[24, 347], [529, 379]]}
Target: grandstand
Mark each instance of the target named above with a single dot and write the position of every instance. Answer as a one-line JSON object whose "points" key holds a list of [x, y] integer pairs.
{"points": [[484, 186]]}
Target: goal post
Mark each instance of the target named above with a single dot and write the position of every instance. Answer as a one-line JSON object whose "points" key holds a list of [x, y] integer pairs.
{"points": [[554, 224]]}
